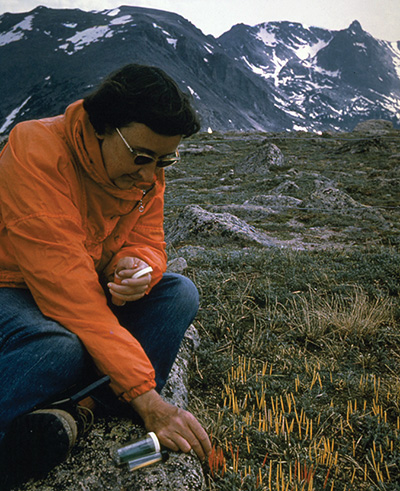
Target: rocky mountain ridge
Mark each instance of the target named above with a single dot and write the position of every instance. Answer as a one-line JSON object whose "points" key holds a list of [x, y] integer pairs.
{"points": [[275, 76]]}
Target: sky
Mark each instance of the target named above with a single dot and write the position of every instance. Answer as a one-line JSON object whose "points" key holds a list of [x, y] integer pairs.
{"points": [[381, 18]]}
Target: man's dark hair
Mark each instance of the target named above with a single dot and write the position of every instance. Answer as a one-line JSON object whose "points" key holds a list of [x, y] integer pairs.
{"points": [[141, 94]]}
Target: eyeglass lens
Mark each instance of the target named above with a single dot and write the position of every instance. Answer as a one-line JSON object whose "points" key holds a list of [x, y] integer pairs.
{"points": [[143, 160]]}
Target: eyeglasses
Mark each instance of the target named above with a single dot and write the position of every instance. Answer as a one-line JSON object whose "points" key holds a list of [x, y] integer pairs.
{"points": [[143, 158]]}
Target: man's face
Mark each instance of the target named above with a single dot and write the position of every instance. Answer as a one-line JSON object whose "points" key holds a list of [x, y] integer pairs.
{"points": [[120, 163]]}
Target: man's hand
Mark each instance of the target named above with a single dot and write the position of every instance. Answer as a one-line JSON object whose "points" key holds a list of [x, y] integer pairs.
{"points": [[176, 428], [124, 288]]}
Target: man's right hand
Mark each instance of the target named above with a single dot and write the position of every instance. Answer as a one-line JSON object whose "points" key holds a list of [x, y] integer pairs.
{"points": [[176, 428]]}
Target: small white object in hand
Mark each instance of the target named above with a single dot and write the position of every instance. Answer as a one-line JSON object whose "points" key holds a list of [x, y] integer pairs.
{"points": [[142, 272]]}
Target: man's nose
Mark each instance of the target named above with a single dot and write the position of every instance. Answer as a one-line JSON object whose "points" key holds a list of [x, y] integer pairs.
{"points": [[148, 172]]}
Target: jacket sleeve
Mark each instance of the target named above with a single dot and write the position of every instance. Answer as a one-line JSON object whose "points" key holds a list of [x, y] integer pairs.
{"points": [[146, 239], [45, 230]]}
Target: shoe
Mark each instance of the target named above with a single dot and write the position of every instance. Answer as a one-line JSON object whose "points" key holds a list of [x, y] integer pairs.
{"points": [[34, 444]]}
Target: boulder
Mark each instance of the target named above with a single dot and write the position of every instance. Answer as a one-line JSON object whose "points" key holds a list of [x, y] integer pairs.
{"points": [[333, 200], [371, 144], [177, 265], [198, 225], [265, 156]]}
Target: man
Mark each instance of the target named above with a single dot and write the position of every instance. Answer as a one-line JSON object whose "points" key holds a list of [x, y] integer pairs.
{"points": [[81, 214]]}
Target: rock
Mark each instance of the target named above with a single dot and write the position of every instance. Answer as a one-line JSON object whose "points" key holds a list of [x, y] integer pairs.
{"points": [[265, 156], [201, 149], [332, 199], [182, 473], [286, 187], [374, 127], [175, 390], [365, 145], [275, 201], [177, 265], [197, 224], [246, 211], [196, 149], [90, 466]]}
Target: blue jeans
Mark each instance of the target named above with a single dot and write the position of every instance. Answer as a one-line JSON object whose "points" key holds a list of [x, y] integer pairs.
{"points": [[40, 359]]}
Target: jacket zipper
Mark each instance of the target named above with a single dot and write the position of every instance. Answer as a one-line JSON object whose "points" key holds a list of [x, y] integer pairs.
{"points": [[140, 203]]}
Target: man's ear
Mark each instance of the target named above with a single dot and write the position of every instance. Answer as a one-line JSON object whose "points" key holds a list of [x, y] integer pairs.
{"points": [[99, 137]]}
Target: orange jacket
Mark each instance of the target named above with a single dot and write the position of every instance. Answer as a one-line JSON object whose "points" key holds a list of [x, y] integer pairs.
{"points": [[63, 224]]}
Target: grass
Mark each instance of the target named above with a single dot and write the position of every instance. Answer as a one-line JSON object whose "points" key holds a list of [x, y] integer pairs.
{"points": [[297, 376], [307, 377]]}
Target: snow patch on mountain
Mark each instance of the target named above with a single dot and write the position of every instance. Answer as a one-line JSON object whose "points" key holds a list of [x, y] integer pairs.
{"points": [[327, 73], [193, 92], [156, 26], [83, 38], [13, 114], [361, 46], [267, 37], [172, 41], [112, 12], [278, 64], [306, 51], [392, 104], [119, 21], [17, 32], [258, 70], [395, 49]]}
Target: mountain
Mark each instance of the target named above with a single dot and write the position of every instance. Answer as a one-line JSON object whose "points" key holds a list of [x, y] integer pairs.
{"points": [[274, 76], [323, 79]]}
